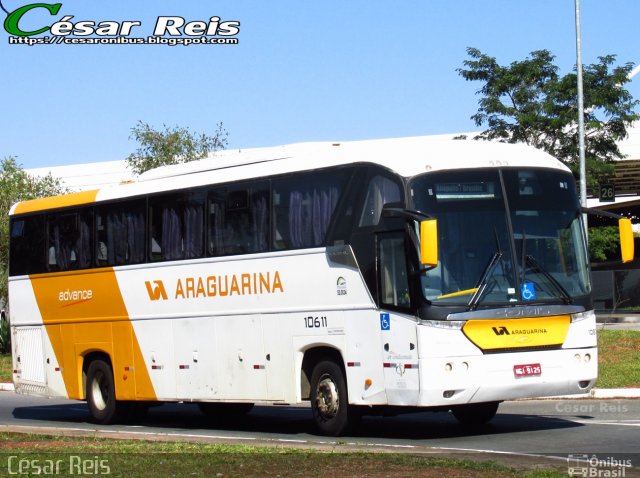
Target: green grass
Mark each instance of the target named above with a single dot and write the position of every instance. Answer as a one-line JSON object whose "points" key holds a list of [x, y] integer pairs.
{"points": [[618, 359], [5, 368], [166, 459]]}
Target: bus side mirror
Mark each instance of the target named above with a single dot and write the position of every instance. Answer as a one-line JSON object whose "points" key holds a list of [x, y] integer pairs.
{"points": [[626, 239], [429, 242]]}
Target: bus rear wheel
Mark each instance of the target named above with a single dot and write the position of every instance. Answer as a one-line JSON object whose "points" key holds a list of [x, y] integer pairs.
{"points": [[101, 393], [329, 401], [474, 414]]}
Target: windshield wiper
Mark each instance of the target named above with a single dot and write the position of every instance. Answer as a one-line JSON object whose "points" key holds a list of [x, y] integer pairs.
{"points": [[564, 295], [482, 284]]}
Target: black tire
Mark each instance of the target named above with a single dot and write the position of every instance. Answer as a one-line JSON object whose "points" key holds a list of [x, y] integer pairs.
{"points": [[475, 414], [101, 393], [329, 400]]}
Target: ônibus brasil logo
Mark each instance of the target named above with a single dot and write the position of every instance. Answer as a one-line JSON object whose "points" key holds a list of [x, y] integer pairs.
{"points": [[167, 30]]}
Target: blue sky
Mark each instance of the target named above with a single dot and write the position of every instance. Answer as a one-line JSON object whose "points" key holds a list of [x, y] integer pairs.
{"points": [[303, 71]]}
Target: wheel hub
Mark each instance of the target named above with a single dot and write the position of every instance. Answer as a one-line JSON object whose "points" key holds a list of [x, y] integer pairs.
{"points": [[327, 398], [100, 392]]}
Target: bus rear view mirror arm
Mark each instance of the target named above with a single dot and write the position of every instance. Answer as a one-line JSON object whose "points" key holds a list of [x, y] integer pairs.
{"points": [[626, 232], [396, 210], [428, 242]]}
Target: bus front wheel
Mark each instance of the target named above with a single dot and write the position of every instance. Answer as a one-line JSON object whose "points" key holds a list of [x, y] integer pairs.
{"points": [[101, 393], [329, 402]]}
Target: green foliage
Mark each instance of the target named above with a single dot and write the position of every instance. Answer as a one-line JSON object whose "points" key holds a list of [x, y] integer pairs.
{"points": [[16, 185], [5, 336], [604, 243], [529, 102], [171, 146]]}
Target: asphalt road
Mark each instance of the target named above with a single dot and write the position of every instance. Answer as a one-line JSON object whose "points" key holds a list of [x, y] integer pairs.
{"points": [[533, 430]]}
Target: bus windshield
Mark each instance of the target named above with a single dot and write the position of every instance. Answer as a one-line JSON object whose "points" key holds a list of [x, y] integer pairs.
{"points": [[507, 237]]}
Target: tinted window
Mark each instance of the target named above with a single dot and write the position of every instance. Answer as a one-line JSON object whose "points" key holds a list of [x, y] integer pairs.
{"points": [[177, 226], [381, 191], [394, 281], [303, 207], [69, 238], [27, 246], [238, 220], [120, 233]]}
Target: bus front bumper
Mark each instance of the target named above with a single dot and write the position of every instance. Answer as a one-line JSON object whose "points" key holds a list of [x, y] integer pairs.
{"points": [[506, 376]]}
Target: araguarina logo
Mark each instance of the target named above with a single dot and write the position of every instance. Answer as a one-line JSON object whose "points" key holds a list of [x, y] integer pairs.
{"points": [[171, 30], [501, 330]]}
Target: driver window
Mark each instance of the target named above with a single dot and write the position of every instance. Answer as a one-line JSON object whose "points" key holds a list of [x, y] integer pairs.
{"points": [[381, 191], [394, 283]]}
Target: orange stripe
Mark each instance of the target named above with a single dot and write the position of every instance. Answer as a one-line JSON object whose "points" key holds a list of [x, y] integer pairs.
{"points": [[84, 312], [73, 199]]}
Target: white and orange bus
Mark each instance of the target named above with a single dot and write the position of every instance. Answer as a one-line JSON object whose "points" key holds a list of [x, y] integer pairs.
{"points": [[363, 276]]}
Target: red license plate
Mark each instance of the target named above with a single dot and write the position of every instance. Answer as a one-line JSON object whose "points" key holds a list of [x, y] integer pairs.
{"points": [[528, 370]]}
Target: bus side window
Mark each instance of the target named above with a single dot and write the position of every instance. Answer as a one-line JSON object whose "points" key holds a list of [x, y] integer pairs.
{"points": [[381, 191], [120, 234], [215, 211], [27, 245], [303, 208], [70, 240], [84, 242], [63, 235], [177, 226], [238, 220]]}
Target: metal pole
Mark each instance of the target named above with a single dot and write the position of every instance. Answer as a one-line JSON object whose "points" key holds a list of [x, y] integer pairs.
{"points": [[583, 168]]}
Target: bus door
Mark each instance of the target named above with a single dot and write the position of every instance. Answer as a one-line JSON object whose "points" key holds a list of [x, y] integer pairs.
{"points": [[398, 326], [29, 357], [241, 359], [278, 367], [196, 374]]}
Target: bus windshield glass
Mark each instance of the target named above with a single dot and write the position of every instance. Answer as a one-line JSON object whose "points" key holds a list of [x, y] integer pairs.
{"points": [[506, 237]]}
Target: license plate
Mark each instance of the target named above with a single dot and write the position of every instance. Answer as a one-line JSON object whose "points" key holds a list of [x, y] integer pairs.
{"points": [[528, 370]]}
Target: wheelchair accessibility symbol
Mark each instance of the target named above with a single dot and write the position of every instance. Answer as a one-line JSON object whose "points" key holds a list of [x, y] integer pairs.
{"points": [[528, 290], [385, 322]]}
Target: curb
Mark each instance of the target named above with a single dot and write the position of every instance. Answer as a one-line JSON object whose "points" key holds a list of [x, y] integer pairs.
{"points": [[617, 319], [600, 393]]}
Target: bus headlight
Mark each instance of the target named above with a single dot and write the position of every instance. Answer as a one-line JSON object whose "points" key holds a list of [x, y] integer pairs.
{"points": [[580, 316]]}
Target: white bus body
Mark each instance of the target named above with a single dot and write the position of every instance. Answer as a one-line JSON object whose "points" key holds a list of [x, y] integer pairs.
{"points": [[322, 320]]}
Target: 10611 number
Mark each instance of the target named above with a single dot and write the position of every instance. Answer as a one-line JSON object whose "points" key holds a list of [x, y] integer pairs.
{"points": [[315, 322]]}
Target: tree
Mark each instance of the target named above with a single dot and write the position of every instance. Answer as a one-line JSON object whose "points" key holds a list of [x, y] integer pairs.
{"points": [[17, 185], [171, 146], [529, 102], [604, 243]]}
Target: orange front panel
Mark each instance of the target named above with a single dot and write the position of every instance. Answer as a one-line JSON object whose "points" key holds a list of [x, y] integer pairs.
{"points": [[84, 312], [531, 332], [76, 297]]}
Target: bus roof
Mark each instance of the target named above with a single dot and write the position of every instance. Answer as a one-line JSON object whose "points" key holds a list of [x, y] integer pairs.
{"points": [[406, 156]]}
